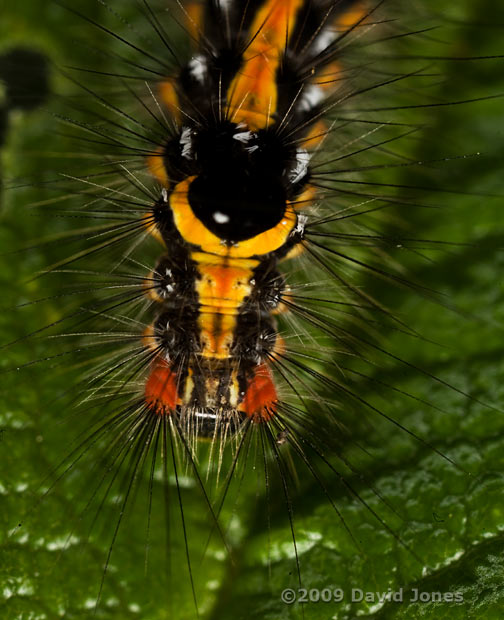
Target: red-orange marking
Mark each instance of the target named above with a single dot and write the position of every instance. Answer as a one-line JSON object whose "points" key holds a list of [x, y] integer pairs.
{"points": [[261, 398], [161, 389]]}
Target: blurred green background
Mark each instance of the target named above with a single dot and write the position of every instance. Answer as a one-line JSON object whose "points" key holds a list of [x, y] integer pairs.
{"points": [[453, 519]]}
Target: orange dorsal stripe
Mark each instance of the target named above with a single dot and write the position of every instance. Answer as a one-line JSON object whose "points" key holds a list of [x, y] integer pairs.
{"points": [[252, 95]]}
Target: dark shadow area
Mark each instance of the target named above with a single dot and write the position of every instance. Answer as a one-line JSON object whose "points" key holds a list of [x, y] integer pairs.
{"points": [[24, 75]]}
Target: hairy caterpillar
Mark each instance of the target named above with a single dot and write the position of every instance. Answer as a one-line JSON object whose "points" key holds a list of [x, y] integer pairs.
{"points": [[338, 324]]}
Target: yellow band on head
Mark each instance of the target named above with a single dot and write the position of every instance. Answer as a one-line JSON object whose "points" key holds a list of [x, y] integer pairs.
{"points": [[195, 232]]}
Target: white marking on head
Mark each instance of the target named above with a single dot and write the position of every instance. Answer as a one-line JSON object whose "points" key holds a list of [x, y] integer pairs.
{"points": [[186, 143], [312, 96], [300, 224], [198, 68], [243, 136], [301, 168], [225, 5], [220, 218], [323, 41]]}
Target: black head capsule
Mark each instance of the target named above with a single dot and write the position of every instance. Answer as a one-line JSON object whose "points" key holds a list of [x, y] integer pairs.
{"points": [[236, 204], [240, 189], [241, 180]]}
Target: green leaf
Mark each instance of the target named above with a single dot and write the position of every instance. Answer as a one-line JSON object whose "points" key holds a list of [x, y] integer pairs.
{"points": [[451, 517]]}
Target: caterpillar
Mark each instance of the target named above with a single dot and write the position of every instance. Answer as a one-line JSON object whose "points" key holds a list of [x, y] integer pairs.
{"points": [[234, 275]]}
